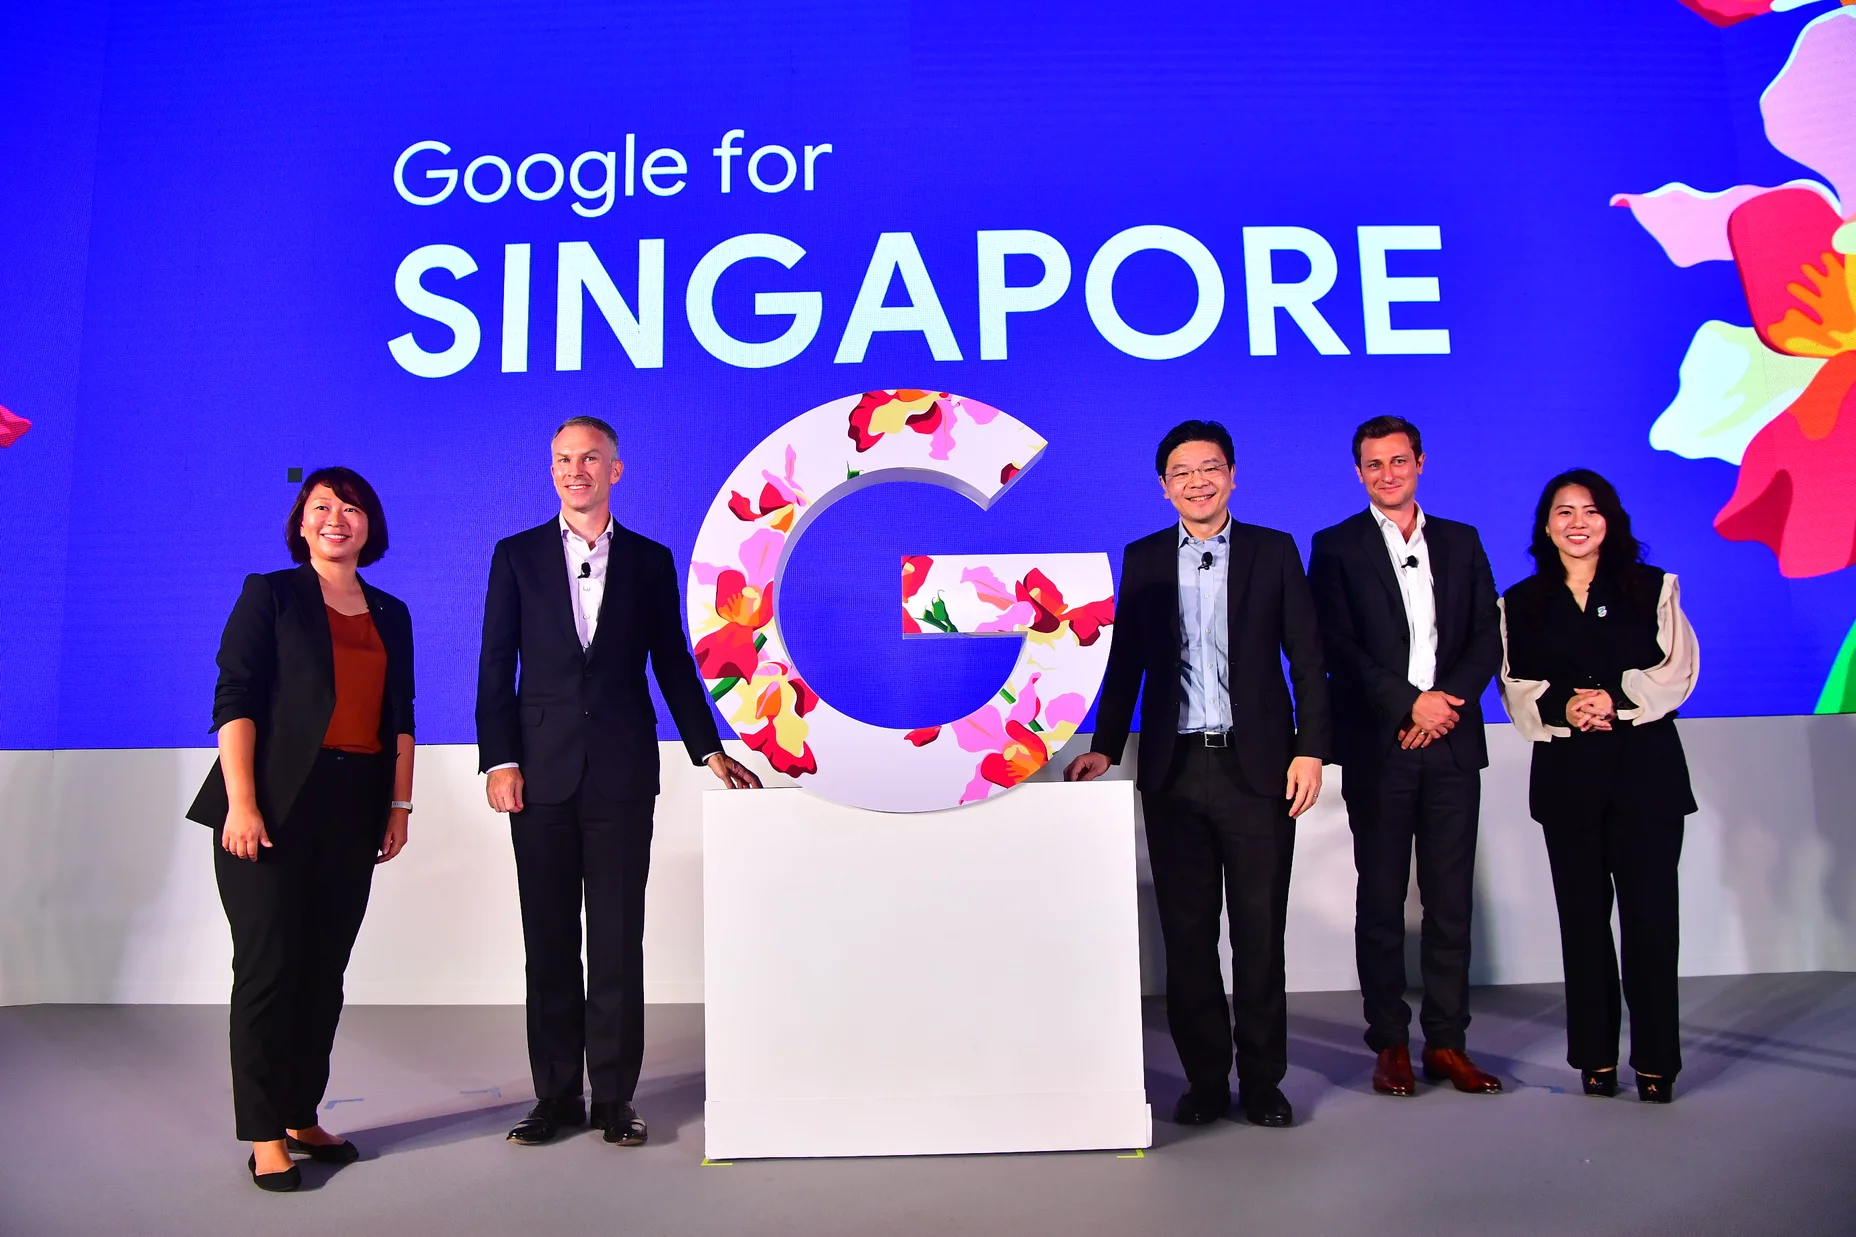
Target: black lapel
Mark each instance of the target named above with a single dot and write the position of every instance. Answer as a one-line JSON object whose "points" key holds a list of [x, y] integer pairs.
{"points": [[615, 560], [306, 585], [556, 587], [1373, 545], [1243, 556]]}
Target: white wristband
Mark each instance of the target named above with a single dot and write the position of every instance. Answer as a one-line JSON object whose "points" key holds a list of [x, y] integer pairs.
{"points": [[401, 804]]}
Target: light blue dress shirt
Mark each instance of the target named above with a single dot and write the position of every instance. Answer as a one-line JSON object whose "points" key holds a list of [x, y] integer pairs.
{"points": [[1204, 632]]}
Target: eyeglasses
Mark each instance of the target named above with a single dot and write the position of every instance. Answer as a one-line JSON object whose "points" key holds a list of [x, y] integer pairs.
{"points": [[1211, 472]]}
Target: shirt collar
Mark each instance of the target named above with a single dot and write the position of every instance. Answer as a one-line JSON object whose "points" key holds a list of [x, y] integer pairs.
{"points": [[567, 530], [1386, 524], [1222, 536]]}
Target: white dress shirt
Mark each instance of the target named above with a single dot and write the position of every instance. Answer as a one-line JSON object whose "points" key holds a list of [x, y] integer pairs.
{"points": [[586, 575], [1416, 587]]}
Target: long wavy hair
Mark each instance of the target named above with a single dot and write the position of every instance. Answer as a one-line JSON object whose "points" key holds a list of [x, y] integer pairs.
{"points": [[1620, 552]]}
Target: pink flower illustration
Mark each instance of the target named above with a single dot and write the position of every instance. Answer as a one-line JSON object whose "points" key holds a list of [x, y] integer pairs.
{"points": [[934, 413], [12, 427], [780, 498], [1779, 399]]}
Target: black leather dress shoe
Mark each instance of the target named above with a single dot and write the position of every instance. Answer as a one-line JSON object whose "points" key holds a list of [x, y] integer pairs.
{"points": [[617, 1122], [1267, 1106], [1656, 1088], [275, 1183], [546, 1119], [343, 1152], [1202, 1105]]}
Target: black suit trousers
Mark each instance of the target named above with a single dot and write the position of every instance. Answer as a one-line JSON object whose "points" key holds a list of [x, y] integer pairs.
{"points": [[1214, 845], [1422, 800], [601, 846], [294, 916], [1636, 854]]}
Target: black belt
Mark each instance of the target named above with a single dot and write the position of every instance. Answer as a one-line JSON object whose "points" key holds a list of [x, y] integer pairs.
{"points": [[1207, 738]]}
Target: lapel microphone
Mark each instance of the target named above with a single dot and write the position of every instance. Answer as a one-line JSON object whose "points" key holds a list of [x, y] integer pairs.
{"points": [[1205, 564], [1410, 561], [586, 570]]}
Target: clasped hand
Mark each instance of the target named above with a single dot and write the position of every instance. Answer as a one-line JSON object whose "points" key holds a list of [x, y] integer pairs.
{"points": [[1590, 709], [1433, 715]]}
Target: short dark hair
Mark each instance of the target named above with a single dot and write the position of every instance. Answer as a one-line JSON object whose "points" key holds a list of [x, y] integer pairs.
{"points": [[351, 487], [591, 423], [1193, 431], [1385, 427], [1621, 550]]}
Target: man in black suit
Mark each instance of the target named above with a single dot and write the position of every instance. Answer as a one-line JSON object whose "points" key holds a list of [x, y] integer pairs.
{"points": [[1408, 617], [571, 754], [1207, 610]]}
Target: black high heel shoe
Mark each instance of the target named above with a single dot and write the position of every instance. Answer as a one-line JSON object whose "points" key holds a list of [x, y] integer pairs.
{"points": [[274, 1183], [1654, 1090], [343, 1152], [1600, 1082]]}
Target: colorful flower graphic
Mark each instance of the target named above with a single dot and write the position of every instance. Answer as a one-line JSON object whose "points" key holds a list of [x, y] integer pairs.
{"points": [[1778, 398], [1016, 741], [1729, 12], [779, 699], [780, 500], [12, 427], [1086, 621], [934, 413], [729, 644]]}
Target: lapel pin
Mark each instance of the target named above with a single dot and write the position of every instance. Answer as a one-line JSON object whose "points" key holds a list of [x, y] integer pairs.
{"points": [[1601, 612]]}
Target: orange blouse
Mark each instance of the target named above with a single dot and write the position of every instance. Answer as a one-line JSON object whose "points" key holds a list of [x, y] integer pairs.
{"points": [[360, 682]]}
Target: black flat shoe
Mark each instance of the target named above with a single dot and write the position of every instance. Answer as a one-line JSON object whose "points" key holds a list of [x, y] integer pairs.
{"points": [[1268, 1107], [1656, 1090], [274, 1183], [1202, 1105], [1600, 1082], [618, 1123], [546, 1119], [343, 1152]]}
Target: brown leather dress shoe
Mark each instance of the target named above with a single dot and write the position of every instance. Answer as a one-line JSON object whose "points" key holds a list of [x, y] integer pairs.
{"points": [[1454, 1064], [1392, 1072]]}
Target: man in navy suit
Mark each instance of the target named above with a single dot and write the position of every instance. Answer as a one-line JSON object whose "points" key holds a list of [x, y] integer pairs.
{"points": [[578, 604], [1208, 611], [1408, 620]]}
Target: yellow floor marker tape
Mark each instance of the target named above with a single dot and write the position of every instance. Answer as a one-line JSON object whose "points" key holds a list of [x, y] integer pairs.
{"points": [[1138, 1155]]}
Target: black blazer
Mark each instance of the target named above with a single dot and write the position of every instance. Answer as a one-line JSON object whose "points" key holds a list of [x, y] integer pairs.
{"points": [[576, 711], [1638, 769], [277, 667], [1368, 642], [1270, 615]]}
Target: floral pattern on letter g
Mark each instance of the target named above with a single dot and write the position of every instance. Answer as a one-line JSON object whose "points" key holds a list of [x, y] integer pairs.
{"points": [[1779, 399], [797, 472], [934, 413], [1729, 12]]}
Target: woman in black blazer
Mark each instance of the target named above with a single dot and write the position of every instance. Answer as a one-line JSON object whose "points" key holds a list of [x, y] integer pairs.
{"points": [[1598, 655], [312, 788]]}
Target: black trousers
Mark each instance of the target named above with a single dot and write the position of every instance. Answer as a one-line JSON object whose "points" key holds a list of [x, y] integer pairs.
{"points": [[1412, 800], [1215, 846], [1636, 855], [601, 846], [294, 914]]}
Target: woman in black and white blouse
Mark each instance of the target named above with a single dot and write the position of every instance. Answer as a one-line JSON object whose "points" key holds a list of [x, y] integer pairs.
{"points": [[1598, 656]]}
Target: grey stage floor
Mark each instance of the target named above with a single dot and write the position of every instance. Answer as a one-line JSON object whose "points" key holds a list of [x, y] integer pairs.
{"points": [[117, 1120]]}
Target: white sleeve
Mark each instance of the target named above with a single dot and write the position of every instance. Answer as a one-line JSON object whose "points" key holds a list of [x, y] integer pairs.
{"points": [[1661, 689], [1521, 697]]}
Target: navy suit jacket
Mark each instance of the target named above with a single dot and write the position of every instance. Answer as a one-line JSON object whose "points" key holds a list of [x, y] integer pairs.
{"points": [[576, 711], [1270, 617], [1368, 640]]}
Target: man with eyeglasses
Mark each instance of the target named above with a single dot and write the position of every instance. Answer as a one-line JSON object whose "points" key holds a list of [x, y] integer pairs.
{"points": [[1207, 610]]}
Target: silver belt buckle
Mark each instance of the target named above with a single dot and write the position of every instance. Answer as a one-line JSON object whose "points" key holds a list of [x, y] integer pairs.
{"points": [[1216, 738]]}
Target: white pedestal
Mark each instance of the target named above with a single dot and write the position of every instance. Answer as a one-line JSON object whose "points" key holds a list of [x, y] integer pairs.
{"points": [[941, 983]]}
